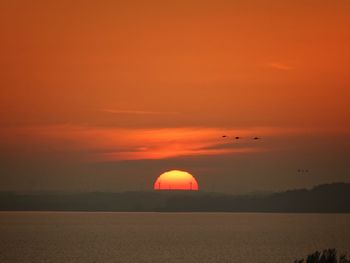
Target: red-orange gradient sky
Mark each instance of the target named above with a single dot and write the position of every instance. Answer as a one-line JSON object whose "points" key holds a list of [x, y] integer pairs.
{"points": [[106, 95]]}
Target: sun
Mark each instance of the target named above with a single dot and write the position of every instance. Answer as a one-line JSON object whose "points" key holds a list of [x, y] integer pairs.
{"points": [[176, 180]]}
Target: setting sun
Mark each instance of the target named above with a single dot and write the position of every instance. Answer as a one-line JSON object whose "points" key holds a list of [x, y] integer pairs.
{"points": [[176, 180]]}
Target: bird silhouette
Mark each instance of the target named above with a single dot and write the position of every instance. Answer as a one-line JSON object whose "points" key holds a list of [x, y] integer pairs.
{"points": [[224, 136], [237, 137], [256, 138]]}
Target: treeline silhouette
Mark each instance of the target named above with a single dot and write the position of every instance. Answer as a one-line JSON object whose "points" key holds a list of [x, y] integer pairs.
{"points": [[327, 198], [326, 256]]}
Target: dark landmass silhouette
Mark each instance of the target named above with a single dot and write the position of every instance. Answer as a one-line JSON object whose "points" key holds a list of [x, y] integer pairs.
{"points": [[326, 198], [326, 256]]}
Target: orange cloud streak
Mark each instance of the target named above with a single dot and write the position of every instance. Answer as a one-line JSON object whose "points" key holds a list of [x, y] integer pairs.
{"points": [[111, 144]]}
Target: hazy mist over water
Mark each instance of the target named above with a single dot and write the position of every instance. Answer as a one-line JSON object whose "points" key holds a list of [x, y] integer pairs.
{"points": [[168, 237]]}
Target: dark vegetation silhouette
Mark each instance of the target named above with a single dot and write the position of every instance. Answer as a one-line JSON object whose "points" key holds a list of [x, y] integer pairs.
{"points": [[327, 198], [326, 256]]}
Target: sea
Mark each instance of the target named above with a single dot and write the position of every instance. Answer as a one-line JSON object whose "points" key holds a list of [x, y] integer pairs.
{"points": [[87, 237]]}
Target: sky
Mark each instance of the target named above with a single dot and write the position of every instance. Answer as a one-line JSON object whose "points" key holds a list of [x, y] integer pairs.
{"points": [[107, 95]]}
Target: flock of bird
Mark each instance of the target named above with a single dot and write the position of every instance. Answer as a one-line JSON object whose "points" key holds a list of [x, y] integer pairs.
{"points": [[238, 138], [300, 171]]}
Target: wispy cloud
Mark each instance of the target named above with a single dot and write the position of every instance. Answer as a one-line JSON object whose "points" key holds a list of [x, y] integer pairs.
{"points": [[279, 66], [101, 144], [136, 112], [114, 144]]}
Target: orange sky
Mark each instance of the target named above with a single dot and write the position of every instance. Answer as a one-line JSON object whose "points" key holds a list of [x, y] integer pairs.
{"points": [[87, 72]]}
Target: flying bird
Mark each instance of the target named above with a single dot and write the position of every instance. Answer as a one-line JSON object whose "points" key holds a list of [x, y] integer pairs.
{"points": [[224, 136], [256, 138], [237, 137]]}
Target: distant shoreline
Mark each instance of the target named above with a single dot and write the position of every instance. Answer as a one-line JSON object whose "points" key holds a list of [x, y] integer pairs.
{"points": [[324, 199], [171, 212]]}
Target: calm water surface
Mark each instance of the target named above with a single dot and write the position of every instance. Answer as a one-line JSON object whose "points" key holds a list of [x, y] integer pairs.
{"points": [[160, 237]]}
